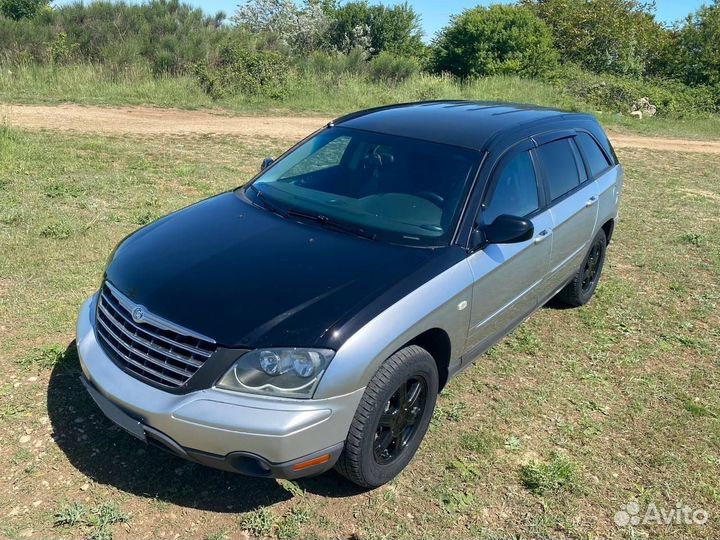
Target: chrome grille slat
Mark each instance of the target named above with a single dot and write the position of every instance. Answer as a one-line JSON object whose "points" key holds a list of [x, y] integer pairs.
{"points": [[159, 375], [146, 343], [146, 357], [163, 355], [188, 348]]}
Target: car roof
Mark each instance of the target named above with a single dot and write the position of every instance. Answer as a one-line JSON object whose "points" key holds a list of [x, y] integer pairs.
{"points": [[470, 124]]}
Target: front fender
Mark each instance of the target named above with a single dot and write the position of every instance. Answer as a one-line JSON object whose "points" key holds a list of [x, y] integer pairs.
{"points": [[443, 302]]}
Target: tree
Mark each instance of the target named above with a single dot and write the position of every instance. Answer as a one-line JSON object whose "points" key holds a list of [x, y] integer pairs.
{"points": [[299, 28], [697, 47], [496, 40], [21, 9], [375, 28], [603, 36]]}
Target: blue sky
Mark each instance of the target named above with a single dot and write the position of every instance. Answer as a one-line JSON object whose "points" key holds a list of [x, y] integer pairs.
{"points": [[436, 13]]}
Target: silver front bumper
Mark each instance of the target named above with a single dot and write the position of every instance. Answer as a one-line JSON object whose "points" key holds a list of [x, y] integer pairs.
{"points": [[215, 421]]}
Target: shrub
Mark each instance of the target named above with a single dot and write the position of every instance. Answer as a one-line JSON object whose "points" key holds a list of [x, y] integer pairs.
{"points": [[617, 94], [238, 70], [697, 55], [375, 28], [21, 9], [387, 67], [497, 40], [603, 36]]}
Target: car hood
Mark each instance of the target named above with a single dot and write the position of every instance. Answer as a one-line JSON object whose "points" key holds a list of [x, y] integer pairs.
{"points": [[249, 278]]}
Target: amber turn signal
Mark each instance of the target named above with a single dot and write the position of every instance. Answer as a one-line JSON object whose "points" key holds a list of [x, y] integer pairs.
{"points": [[311, 462]]}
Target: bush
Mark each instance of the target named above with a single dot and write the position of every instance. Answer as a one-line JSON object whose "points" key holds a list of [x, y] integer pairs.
{"points": [[21, 9], [375, 28], [499, 40], [696, 58], [603, 36], [387, 67], [239, 70], [617, 94], [167, 34]]}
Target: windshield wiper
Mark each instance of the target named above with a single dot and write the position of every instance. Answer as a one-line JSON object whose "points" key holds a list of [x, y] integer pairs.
{"points": [[268, 204], [337, 225]]}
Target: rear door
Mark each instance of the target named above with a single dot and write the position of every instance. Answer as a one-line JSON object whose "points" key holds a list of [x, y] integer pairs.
{"points": [[507, 276], [573, 200]]}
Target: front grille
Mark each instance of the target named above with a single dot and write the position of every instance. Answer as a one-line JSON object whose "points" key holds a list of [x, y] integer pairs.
{"points": [[160, 354]]}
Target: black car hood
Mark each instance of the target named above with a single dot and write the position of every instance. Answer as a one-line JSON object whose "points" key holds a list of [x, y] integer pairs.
{"points": [[249, 278]]}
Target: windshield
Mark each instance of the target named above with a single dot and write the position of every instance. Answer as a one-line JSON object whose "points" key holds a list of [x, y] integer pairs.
{"points": [[396, 189]]}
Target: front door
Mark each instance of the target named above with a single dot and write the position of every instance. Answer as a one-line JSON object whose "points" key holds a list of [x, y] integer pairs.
{"points": [[507, 276]]}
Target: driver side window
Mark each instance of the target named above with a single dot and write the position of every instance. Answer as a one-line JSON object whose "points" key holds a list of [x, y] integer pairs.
{"points": [[515, 189]]}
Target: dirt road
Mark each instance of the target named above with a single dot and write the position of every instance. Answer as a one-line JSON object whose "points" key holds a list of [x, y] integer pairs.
{"points": [[153, 121]]}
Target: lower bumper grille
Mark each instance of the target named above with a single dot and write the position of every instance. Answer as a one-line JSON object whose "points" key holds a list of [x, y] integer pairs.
{"points": [[161, 354]]}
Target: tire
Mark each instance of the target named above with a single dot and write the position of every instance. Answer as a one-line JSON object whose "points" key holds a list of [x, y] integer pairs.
{"points": [[582, 287], [363, 460]]}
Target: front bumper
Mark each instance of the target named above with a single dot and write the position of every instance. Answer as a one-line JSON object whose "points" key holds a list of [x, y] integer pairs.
{"points": [[258, 435]]}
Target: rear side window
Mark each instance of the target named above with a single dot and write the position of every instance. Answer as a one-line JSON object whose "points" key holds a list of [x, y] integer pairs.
{"points": [[594, 156], [559, 164], [515, 190]]}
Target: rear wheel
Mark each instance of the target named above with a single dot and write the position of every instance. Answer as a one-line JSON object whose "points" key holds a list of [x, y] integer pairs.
{"points": [[392, 418], [583, 285]]}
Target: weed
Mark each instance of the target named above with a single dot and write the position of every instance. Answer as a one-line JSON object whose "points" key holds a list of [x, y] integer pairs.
{"points": [[693, 239], [71, 515], [513, 444], [259, 523], [21, 456], [559, 474], [289, 525], [458, 501], [143, 218], [695, 409], [453, 413], [221, 534], [480, 442], [57, 230], [524, 341], [44, 358]]}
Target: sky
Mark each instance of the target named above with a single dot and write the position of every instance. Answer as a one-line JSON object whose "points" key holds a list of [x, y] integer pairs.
{"points": [[436, 13]]}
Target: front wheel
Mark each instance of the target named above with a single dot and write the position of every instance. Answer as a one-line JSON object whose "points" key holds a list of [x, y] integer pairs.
{"points": [[579, 291], [392, 418]]}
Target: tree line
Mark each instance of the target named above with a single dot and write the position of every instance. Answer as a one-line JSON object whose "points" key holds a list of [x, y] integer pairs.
{"points": [[264, 42]]}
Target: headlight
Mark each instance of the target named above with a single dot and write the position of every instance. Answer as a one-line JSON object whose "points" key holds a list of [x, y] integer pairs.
{"points": [[278, 372]]}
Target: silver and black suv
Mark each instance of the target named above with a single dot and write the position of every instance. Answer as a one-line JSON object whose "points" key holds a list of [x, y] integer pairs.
{"points": [[309, 319]]}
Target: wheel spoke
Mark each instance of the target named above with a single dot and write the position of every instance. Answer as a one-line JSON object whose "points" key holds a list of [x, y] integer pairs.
{"points": [[413, 394], [382, 442], [401, 394]]}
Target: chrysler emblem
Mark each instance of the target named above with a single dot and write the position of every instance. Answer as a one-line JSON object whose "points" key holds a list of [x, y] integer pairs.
{"points": [[138, 314]]}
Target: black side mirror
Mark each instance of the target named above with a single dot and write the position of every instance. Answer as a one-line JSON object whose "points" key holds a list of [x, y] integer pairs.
{"points": [[266, 163], [508, 229]]}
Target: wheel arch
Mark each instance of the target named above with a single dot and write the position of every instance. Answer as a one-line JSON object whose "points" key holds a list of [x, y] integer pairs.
{"points": [[435, 341], [609, 228]]}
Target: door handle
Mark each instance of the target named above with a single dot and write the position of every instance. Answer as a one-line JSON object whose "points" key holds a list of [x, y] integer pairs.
{"points": [[592, 200], [542, 235]]}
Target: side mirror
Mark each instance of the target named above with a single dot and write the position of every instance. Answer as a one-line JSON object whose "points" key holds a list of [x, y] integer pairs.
{"points": [[266, 163], [508, 229]]}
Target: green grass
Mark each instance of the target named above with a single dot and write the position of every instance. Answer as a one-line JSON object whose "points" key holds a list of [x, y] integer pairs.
{"points": [[558, 474], [577, 413], [325, 94]]}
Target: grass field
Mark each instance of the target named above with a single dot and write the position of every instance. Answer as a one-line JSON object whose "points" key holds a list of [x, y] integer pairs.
{"points": [[576, 414], [317, 93]]}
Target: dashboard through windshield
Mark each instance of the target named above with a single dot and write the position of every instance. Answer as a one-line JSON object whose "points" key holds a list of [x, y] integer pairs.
{"points": [[397, 189]]}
